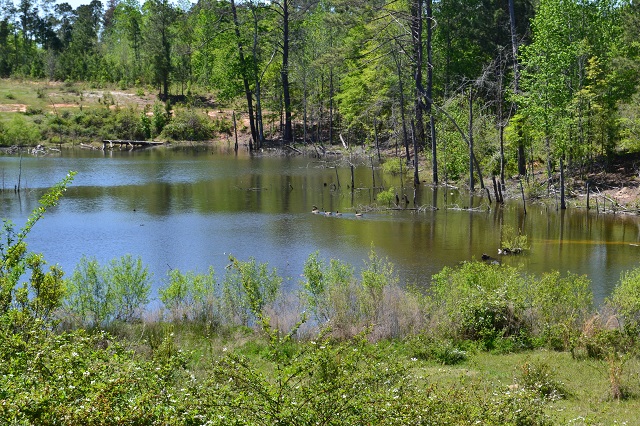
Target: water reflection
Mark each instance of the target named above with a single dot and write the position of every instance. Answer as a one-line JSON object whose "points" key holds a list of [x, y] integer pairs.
{"points": [[190, 208]]}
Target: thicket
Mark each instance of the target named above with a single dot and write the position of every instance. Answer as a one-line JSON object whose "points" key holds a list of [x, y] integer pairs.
{"points": [[340, 350], [98, 123]]}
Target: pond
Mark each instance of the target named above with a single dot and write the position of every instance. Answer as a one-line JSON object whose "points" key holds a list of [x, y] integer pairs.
{"points": [[191, 207]]}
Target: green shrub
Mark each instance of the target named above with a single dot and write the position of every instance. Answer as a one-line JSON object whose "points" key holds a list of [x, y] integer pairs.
{"points": [[505, 309], [327, 290], [625, 301], [338, 299], [538, 378], [127, 125], [386, 197], [190, 296], [559, 308], [222, 126], [88, 299], [321, 383], [480, 302], [377, 275], [512, 241], [99, 295], [129, 283], [188, 125], [33, 111], [442, 351], [159, 119], [29, 304], [248, 287], [394, 166], [19, 131]]}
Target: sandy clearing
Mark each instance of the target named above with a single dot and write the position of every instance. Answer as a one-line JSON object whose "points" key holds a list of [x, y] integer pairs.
{"points": [[13, 108]]}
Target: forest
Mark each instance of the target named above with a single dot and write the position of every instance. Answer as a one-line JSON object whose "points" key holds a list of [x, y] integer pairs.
{"points": [[475, 87]]}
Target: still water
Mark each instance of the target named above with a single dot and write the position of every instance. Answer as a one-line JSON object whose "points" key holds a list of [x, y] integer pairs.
{"points": [[189, 208]]}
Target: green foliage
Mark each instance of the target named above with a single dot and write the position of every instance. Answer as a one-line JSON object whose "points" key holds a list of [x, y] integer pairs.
{"points": [[130, 284], [188, 125], [538, 378], [127, 125], [247, 289], [89, 379], [560, 307], [377, 275], [19, 131], [442, 351], [99, 295], [22, 305], [394, 166], [88, 299], [190, 296], [513, 241], [160, 118], [480, 302], [327, 289], [321, 383], [625, 300], [502, 308], [386, 197], [337, 298]]}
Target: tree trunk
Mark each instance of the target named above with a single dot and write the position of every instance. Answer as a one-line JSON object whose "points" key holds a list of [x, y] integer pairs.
{"points": [[416, 35], [331, 106], [259, 124], [432, 121], [416, 177], [402, 106], [471, 185], [522, 165], [288, 127], [245, 78], [563, 204], [501, 124]]}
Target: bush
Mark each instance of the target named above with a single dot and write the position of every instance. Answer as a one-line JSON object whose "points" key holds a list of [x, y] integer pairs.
{"points": [[442, 351], [395, 166], [559, 308], [191, 297], [127, 125], [538, 378], [387, 197], [100, 295], [480, 302], [247, 289], [348, 305], [625, 301], [31, 303], [512, 241], [188, 125], [503, 308], [19, 131]]}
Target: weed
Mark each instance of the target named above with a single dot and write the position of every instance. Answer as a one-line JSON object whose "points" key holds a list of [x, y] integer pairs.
{"points": [[394, 166], [386, 197], [538, 377], [512, 241]]}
